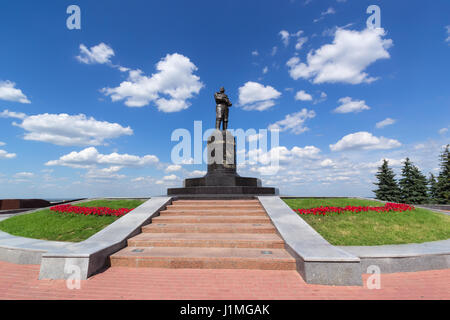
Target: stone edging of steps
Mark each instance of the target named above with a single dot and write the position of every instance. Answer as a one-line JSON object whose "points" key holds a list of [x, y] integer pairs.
{"points": [[88, 257]]}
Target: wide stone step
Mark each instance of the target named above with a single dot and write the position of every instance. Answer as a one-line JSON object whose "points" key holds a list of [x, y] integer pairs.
{"points": [[216, 240], [203, 258], [218, 206], [226, 212], [209, 228], [194, 212], [210, 219]]}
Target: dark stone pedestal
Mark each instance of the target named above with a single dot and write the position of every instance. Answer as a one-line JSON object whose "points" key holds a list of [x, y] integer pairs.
{"points": [[222, 178]]}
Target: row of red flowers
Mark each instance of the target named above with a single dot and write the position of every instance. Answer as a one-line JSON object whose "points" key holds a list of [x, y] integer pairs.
{"points": [[90, 211], [388, 207]]}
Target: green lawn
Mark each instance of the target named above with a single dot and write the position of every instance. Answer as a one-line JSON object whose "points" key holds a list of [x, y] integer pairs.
{"points": [[58, 227], [371, 228]]}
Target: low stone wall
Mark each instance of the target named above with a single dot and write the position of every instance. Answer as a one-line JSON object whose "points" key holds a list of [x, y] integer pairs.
{"points": [[12, 204]]}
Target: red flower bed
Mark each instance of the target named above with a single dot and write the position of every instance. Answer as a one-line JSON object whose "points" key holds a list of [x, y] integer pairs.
{"points": [[388, 207], [90, 211]]}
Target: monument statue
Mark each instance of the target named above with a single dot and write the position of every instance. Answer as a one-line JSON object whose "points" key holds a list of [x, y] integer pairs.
{"points": [[221, 179], [222, 105]]}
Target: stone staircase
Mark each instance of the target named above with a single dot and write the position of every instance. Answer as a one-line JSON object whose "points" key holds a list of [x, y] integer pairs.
{"points": [[210, 234]]}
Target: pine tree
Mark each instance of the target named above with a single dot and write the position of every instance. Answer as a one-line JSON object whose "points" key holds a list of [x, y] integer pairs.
{"points": [[413, 184], [432, 189], [388, 189], [443, 185]]}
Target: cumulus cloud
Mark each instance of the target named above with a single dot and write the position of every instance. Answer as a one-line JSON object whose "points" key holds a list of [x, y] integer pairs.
{"points": [[172, 177], [385, 122], [90, 157], [255, 96], [255, 53], [169, 88], [365, 141], [310, 152], [12, 114], [2, 143], [345, 59], [9, 92], [5, 155], [196, 173], [67, 130], [349, 105], [303, 96], [294, 122], [173, 167], [99, 54], [443, 131]]}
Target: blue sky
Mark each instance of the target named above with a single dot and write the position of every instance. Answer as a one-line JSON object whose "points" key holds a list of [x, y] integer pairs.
{"points": [[90, 112]]}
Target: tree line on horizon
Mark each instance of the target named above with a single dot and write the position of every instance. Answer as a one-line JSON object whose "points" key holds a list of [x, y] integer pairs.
{"points": [[413, 187]]}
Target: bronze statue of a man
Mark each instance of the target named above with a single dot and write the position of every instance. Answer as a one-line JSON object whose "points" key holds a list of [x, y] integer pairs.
{"points": [[223, 103]]}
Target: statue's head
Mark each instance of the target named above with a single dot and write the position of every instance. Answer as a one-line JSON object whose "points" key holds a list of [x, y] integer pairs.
{"points": [[222, 89]]}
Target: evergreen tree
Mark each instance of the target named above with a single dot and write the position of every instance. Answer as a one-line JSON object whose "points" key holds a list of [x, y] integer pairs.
{"points": [[388, 189], [413, 184], [443, 185], [432, 189]]}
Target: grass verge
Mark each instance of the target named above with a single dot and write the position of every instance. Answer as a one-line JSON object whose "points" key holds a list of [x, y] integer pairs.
{"points": [[371, 228], [46, 225]]}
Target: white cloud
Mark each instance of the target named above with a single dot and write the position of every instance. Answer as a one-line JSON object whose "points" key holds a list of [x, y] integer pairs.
{"points": [[365, 141], [274, 51], [255, 53], [265, 70], [109, 173], [284, 37], [8, 92], [12, 114], [300, 42], [100, 54], [385, 122], [2, 144], [90, 157], [169, 88], [172, 177], [448, 33], [309, 152], [173, 167], [254, 137], [345, 59], [68, 130], [294, 122], [6, 155], [24, 175], [348, 105], [196, 173], [443, 131], [303, 96], [255, 96], [329, 11]]}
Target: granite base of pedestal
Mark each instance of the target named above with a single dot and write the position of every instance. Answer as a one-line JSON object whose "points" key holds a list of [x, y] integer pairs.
{"points": [[222, 191]]}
